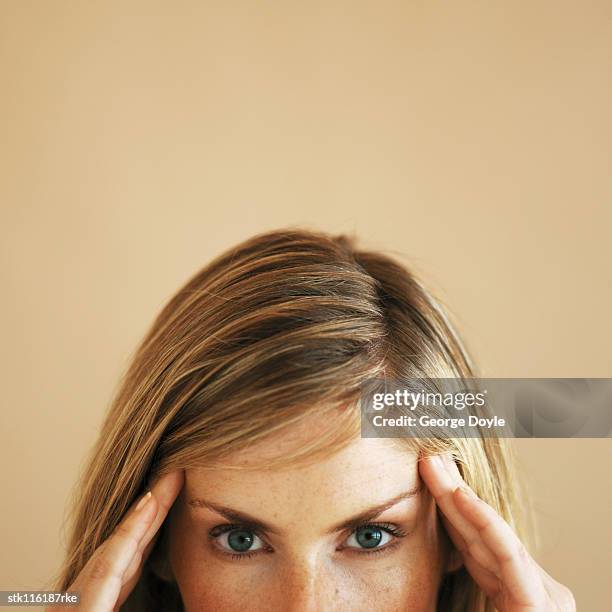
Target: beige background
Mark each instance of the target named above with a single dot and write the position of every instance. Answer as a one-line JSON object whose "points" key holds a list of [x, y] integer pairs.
{"points": [[140, 139]]}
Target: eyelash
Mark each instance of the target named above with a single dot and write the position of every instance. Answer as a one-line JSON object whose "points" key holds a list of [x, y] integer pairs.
{"points": [[390, 528]]}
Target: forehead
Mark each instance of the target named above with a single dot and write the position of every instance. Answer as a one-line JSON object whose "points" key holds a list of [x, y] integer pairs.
{"points": [[367, 472]]}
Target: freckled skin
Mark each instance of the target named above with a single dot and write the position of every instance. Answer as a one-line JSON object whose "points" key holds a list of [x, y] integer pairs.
{"points": [[309, 569]]}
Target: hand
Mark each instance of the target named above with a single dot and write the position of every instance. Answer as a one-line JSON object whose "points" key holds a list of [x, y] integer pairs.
{"points": [[492, 553], [113, 570]]}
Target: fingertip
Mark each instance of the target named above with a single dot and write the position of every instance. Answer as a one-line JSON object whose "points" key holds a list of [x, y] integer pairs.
{"points": [[178, 478], [166, 489], [172, 484], [452, 468], [431, 462], [461, 491], [171, 480], [465, 497], [435, 475]]}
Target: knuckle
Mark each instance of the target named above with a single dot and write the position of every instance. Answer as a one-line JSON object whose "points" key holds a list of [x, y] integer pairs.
{"points": [[125, 534], [472, 546], [121, 530], [134, 567], [488, 526], [100, 567]]}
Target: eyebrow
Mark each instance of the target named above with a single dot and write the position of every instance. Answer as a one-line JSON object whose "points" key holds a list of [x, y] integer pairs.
{"points": [[246, 520]]}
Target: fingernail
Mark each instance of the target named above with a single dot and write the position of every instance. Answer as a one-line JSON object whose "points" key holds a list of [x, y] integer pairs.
{"points": [[143, 502]]}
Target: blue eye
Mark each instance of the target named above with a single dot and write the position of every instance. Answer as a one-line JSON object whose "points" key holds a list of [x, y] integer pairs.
{"points": [[233, 539], [375, 537], [369, 536]]}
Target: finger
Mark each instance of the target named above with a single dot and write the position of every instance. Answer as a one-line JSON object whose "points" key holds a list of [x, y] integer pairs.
{"points": [[103, 573], [441, 484], [518, 571], [456, 538], [132, 574], [133, 571], [488, 582], [165, 490]]}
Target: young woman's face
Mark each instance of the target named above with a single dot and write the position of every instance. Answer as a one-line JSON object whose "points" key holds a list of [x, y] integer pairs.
{"points": [[356, 531]]}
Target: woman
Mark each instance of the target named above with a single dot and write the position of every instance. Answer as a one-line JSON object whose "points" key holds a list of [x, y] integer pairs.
{"points": [[230, 473]]}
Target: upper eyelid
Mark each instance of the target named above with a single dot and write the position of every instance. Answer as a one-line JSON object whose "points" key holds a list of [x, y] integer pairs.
{"points": [[224, 527], [228, 526], [388, 526], [254, 529], [373, 523]]}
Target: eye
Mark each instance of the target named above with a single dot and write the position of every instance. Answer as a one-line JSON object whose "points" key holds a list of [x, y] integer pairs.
{"points": [[373, 536], [368, 536], [236, 539]]}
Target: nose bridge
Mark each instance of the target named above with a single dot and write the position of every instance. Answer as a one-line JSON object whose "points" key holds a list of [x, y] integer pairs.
{"points": [[305, 585]]}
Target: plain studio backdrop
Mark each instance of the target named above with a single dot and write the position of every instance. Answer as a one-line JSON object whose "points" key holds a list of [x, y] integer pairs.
{"points": [[140, 139]]}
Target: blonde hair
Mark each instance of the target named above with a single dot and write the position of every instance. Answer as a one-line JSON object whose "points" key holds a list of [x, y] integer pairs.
{"points": [[284, 324]]}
